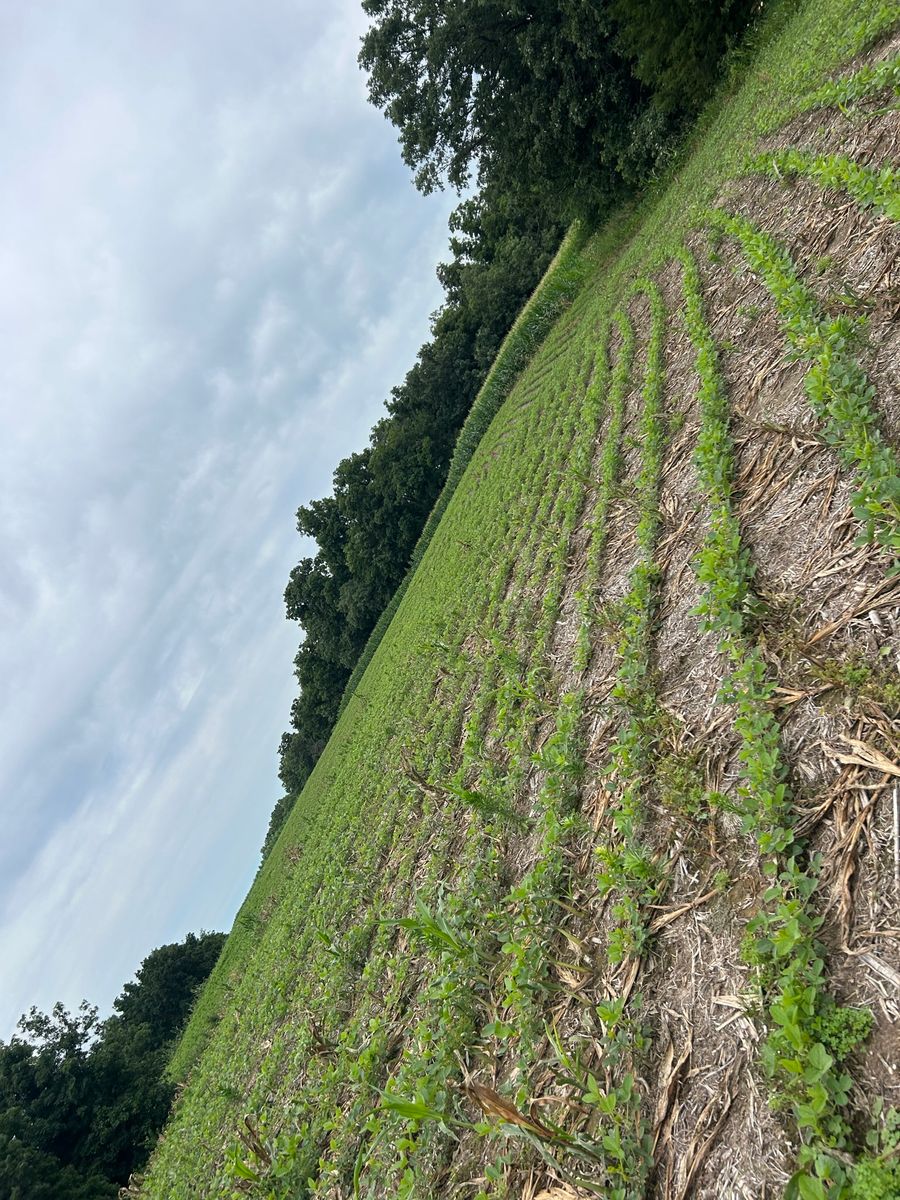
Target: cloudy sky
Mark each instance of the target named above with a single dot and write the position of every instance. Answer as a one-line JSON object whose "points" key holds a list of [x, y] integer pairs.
{"points": [[214, 266]]}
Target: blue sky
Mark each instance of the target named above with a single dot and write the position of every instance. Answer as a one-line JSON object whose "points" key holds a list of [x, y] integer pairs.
{"points": [[215, 266]]}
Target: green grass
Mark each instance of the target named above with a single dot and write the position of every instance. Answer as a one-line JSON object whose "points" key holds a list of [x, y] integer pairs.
{"points": [[408, 926]]}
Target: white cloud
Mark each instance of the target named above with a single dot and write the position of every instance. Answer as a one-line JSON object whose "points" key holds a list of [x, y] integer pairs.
{"points": [[215, 267]]}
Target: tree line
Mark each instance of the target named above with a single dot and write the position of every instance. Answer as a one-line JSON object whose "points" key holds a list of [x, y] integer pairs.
{"points": [[82, 1100], [552, 110]]}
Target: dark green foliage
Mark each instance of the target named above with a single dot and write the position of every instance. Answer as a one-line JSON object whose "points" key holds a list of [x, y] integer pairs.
{"points": [[29, 1174], [280, 814], [533, 96], [676, 46], [166, 982], [82, 1100]]}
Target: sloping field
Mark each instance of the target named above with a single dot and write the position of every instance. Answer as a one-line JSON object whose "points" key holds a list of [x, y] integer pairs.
{"points": [[596, 889]]}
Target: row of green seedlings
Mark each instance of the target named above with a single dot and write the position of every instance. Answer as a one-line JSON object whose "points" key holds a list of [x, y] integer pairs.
{"points": [[518, 700], [532, 907], [847, 92], [522, 984], [481, 798], [484, 799], [360, 1051], [529, 565], [809, 1034], [334, 1045], [870, 188], [259, 1013], [608, 1156], [607, 481], [468, 948], [616, 1149], [532, 903], [840, 393], [629, 870], [366, 1043], [562, 504], [368, 1058], [514, 672], [434, 1108], [560, 284]]}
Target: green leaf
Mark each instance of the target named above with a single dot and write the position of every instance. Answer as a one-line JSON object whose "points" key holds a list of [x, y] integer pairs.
{"points": [[240, 1168], [811, 1188], [792, 1191], [819, 1061]]}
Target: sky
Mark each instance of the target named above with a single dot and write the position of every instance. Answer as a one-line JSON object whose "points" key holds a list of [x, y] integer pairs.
{"points": [[214, 267]]}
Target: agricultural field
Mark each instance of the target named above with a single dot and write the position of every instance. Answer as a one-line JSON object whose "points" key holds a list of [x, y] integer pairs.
{"points": [[596, 889]]}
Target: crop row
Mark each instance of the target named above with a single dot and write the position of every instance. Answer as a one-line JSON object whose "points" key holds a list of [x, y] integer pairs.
{"points": [[840, 393], [870, 188], [809, 1034], [327, 887]]}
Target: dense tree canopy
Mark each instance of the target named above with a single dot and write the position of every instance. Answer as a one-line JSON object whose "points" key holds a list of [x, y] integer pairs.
{"points": [[82, 1100], [531, 95], [570, 100], [164, 986], [675, 46]]}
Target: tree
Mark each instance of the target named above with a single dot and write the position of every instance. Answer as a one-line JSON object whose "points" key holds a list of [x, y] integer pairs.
{"points": [[131, 1098], [166, 984], [46, 1100], [29, 1174], [676, 46], [46, 1077], [533, 96], [82, 1100], [277, 820]]}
